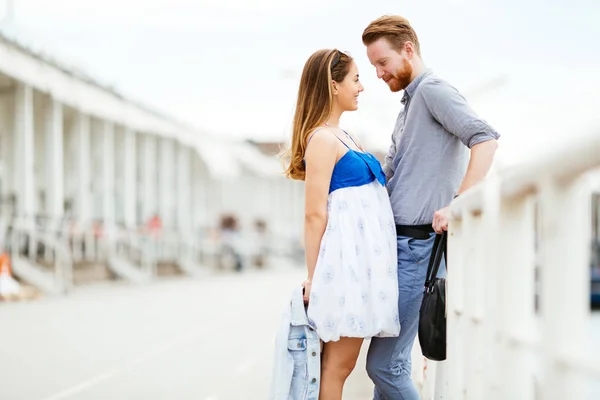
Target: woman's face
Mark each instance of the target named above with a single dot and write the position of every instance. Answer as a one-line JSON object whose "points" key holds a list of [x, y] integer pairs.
{"points": [[348, 90]]}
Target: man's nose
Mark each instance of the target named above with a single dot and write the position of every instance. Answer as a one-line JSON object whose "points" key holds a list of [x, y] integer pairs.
{"points": [[380, 72]]}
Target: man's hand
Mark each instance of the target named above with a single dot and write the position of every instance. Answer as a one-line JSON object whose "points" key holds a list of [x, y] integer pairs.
{"points": [[482, 155], [440, 219]]}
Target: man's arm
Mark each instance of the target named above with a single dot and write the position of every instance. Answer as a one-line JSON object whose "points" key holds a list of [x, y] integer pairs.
{"points": [[482, 156], [451, 110], [388, 164]]}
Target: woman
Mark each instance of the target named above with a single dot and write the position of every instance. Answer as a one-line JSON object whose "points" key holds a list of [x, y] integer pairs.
{"points": [[350, 238]]}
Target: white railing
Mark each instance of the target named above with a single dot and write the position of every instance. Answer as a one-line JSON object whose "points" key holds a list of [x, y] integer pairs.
{"points": [[56, 250], [82, 239], [132, 248], [44, 251], [519, 319]]}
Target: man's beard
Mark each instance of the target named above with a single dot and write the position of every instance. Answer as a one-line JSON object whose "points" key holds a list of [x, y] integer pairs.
{"points": [[402, 77]]}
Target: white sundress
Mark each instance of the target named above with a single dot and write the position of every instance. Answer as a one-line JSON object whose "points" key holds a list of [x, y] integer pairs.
{"points": [[354, 289]]}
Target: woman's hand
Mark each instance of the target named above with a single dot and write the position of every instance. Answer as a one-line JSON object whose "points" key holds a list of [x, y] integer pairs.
{"points": [[306, 285]]}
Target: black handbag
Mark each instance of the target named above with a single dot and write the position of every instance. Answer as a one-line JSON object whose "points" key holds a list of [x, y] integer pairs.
{"points": [[432, 318]]}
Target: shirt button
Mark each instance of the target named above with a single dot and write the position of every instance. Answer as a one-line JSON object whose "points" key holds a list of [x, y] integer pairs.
{"points": [[314, 353], [314, 380]]}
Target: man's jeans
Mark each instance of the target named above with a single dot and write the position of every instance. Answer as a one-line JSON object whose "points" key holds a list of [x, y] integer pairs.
{"points": [[389, 359]]}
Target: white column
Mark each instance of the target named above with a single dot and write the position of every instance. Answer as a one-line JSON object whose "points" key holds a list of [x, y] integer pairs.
{"points": [[213, 200], [149, 180], [299, 207], [184, 212], [107, 145], [83, 201], [7, 149], [129, 181], [54, 159], [277, 220], [200, 198], [24, 151], [165, 177]]}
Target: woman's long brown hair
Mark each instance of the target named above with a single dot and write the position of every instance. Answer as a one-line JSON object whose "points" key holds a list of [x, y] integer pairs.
{"points": [[314, 104]]}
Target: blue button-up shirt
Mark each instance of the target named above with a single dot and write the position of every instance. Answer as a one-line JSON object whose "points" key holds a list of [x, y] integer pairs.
{"points": [[428, 157]]}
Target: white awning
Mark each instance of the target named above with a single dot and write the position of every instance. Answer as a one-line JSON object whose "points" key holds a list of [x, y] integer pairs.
{"points": [[257, 162], [219, 158]]}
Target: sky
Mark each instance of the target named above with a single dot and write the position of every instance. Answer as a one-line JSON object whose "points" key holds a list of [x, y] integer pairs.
{"points": [[232, 67]]}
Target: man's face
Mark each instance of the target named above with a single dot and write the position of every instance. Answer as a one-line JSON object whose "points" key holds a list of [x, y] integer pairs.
{"points": [[392, 66]]}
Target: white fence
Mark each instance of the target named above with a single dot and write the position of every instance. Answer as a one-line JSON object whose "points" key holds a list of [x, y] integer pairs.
{"points": [[519, 319]]}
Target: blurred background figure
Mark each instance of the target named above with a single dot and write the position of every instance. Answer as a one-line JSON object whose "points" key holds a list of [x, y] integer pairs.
{"points": [[261, 243], [230, 236]]}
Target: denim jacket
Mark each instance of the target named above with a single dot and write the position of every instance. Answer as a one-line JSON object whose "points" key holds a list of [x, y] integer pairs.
{"points": [[297, 367]]}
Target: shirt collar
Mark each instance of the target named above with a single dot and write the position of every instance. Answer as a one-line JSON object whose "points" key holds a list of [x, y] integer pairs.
{"points": [[412, 87]]}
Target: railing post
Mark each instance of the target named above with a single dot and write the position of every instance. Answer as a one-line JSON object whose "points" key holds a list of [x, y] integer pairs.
{"points": [[474, 281], [489, 269], [90, 244], [441, 381], [456, 328], [565, 291], [516, 315], [77, 240]]}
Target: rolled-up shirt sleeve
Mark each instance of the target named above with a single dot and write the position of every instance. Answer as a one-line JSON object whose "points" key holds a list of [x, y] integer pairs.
{"points": [[452, 111]]}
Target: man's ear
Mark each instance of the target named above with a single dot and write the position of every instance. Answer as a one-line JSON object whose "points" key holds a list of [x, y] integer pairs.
{"points": [[409, 47]]}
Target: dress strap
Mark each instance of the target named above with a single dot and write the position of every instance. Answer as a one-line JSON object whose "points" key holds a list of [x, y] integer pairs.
{"points": [[318, 129], [308, 142], [347, 134], [312, 136], [344, 143]]}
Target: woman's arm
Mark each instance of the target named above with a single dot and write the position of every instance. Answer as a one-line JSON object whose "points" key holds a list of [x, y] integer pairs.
{"points": [[320, 158]]}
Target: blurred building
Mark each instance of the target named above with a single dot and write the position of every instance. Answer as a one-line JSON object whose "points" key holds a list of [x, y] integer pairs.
{"points": [[77, 159]]}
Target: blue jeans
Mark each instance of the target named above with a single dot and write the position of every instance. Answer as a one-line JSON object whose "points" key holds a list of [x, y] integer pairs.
{"points": [[389, 359]]}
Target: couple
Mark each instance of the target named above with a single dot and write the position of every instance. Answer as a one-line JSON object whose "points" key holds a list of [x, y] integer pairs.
{"points": [[367, 248]]}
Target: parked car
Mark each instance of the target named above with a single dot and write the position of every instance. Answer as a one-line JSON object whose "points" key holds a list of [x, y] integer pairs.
{"points": [[595, 289], [595, 251]]}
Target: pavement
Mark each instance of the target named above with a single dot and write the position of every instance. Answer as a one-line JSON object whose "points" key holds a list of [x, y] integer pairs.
{"points": [[176, 339]]}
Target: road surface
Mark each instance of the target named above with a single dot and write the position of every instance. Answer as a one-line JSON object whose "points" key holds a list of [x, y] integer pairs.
{"points": [[177, 339]]}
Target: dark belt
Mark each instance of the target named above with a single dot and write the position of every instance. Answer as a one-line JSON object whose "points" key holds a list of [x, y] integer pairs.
{"points": [[420, 232]]}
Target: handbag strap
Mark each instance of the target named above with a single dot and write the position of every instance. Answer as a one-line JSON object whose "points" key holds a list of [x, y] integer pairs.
{"points": [[438, 250]]}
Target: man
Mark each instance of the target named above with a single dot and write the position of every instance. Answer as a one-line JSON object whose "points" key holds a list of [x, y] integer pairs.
{"points": [[426, 167]]}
